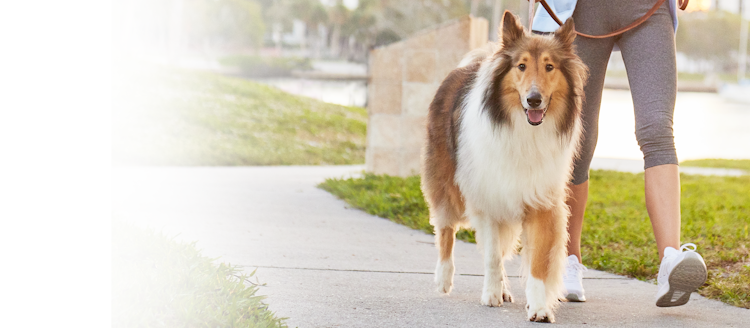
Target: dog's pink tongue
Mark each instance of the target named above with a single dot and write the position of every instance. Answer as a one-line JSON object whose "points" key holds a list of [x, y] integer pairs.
{"points": [[535, 115]]}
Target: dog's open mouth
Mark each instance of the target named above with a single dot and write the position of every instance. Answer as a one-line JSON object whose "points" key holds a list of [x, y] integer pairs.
{"points": [[535, 116]]}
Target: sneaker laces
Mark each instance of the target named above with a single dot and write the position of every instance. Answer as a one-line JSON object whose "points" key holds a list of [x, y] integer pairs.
{"points": [[574, 268], [688, 247]]}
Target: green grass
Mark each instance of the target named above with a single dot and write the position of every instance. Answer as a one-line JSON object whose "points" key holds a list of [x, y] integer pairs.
{"points": [[617, 235], [741, 164], [186, 118], [159, 282]]}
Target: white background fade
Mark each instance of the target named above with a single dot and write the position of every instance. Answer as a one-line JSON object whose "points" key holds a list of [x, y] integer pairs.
{"points": [[55, 136]]}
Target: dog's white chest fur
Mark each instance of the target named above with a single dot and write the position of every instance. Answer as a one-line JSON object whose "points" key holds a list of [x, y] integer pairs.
{"points": [[503, 169]]}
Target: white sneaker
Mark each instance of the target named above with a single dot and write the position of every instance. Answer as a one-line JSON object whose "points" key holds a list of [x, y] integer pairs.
{"points": [[681, 273], [573, 280]]}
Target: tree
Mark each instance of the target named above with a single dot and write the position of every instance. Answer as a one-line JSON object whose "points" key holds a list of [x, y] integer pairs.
{"points": [[352, 32], [712, 35], [225, 23]]}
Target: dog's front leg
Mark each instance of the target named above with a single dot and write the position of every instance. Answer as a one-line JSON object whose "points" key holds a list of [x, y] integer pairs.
{"points": [[544, 252], [497, 240]]}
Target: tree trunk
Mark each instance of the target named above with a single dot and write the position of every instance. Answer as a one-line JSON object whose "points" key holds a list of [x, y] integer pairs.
{"points": [[335, 42], [743, 50]]}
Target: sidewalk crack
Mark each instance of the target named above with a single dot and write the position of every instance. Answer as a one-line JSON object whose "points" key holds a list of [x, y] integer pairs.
{"points": [[396, 272]]}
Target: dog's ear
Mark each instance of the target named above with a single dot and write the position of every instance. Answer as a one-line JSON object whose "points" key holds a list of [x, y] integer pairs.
{"points": [[511, 31], [566, 33]]}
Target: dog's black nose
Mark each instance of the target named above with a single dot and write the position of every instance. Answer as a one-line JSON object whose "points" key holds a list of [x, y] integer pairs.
{"points": [[534, 99]]}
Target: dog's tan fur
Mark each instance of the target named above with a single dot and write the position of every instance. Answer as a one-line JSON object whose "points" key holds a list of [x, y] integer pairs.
{"points": [[552, 68], [440, 189]]}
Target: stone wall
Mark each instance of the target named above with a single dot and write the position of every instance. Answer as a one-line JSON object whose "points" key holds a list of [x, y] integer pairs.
{"points": [[404, 77]]}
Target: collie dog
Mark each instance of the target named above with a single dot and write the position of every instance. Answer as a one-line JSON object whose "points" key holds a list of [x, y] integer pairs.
{"points": [[503, 130]]}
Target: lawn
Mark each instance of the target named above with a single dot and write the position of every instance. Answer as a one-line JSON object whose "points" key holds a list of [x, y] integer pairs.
{"points": [[715, 216], [159, 282], [167, 116], [741, 164]]}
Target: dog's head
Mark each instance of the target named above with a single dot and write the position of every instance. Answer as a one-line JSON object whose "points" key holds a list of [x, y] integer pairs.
{"points": [[540, 75]]}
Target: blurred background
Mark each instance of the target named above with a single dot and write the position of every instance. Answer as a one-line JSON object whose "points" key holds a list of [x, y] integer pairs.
{"points": [[320, 49]]}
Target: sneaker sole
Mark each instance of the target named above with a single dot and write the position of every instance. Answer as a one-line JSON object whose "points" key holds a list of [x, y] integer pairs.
{"points": [[684, 279], [574, 298]]}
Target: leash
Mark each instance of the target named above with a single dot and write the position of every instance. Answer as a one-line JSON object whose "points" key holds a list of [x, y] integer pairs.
{"points": [[682, 4]]}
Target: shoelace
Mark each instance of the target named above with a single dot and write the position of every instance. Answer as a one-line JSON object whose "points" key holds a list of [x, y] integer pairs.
{"points": [[687, 247], [575, 268]]}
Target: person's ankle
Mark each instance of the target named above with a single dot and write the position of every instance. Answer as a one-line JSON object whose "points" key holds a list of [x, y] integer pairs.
{"points": [[669, 251], [578, 256]]}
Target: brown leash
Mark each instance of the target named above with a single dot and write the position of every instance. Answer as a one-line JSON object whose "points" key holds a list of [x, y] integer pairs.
{"points": [[682, 4]]}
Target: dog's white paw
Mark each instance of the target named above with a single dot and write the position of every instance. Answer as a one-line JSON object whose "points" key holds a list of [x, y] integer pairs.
{"points": [[542, 314], [444, 276], [536, 303], [496, 296]]}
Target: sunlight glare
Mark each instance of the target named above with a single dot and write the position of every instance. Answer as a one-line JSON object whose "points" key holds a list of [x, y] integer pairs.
{"points": [[698, 5]]}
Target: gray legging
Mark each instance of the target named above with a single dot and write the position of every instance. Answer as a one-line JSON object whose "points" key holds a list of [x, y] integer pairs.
{"points": [[649, 55]]}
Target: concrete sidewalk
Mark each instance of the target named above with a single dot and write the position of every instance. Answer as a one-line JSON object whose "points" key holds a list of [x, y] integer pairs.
{"points": [[326, 265]]}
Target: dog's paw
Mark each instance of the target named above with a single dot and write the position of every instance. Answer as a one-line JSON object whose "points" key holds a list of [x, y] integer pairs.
{"points": [[507, 297], [537, 307], [540, 314], [444, 276], [496, 298], [444, 286]]}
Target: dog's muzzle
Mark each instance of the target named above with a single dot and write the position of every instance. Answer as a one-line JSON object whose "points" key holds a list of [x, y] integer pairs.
{"points": [[535, 116]]}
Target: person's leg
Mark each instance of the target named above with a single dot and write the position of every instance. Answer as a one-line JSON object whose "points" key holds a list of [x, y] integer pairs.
{"points": [[649, 55], [663, 205], [589, 18], [579, 194]]}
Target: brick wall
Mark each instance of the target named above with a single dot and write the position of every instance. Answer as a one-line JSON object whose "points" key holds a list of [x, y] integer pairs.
{"points": [[403, 79]]}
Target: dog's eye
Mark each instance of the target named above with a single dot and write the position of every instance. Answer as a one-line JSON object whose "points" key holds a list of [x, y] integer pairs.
{"points": [[522, 67], [549, 68]]}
